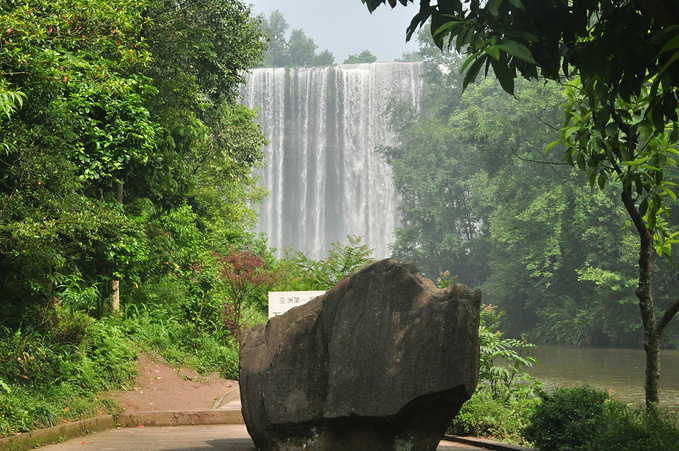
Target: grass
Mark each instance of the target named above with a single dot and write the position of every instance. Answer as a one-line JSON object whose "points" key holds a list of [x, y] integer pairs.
{"points": [[62, 372]]}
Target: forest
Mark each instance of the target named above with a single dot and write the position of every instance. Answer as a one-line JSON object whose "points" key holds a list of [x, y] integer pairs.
{"points": [[499, 212], [128, 190]]}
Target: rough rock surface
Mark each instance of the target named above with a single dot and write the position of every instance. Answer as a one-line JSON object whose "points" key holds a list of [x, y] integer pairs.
{"points": [[383, 361]]}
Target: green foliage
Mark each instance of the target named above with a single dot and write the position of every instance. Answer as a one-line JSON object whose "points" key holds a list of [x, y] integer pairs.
{"points": [[297, 272], [503, 364], [298, 50], [587, 419], [126, 158], [631, 429], [611, 153], [567, 419], [506, 395], [499, 213], [57, 374], [10, 101], [513, 38], [486, 416], [439, 226], [364, 57], [621, 113]]}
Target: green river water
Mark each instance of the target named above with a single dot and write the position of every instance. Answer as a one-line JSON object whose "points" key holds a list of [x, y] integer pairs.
{"points": [[621, 370]]}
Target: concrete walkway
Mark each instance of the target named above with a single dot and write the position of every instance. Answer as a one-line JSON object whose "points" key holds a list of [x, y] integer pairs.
{"points": [[220, 428], [230, 437]]}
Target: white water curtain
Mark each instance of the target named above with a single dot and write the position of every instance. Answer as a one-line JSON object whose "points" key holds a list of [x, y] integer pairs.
{"points": [[325, 178]]}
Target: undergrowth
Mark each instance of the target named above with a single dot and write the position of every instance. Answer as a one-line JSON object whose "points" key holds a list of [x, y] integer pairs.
{"points": [[56, 372], [60, 369]]}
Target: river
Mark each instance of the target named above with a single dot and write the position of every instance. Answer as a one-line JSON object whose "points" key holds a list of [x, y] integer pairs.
{"points": [[621, 370]]}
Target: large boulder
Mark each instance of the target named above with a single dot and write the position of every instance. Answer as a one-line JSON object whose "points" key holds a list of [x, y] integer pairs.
{"points": [[383, 361]]}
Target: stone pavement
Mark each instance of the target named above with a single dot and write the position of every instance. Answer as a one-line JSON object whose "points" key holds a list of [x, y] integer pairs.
{"points": [[231, 437], [221, 428]]}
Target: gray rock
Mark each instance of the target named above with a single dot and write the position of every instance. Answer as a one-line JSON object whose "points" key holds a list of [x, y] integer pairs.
{"points": [[383, 361]]}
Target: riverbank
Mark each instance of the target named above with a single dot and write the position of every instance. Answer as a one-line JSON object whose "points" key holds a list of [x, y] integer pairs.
{"points": [[619, 370]]}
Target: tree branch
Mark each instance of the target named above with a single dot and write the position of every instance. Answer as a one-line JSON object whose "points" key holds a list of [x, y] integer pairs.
{"points": [[529, 160], [668, 315]]}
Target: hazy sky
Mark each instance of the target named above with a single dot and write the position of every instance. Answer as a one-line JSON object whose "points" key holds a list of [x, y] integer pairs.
{"points": [[345, 26]]}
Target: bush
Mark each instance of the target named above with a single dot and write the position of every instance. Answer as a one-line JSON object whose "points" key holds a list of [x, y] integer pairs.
{"points": [[589, 420], [567, 419], [487, 416], [633, 429]]}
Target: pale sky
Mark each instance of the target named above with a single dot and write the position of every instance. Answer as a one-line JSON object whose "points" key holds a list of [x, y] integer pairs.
{"points": [[345, 26]]}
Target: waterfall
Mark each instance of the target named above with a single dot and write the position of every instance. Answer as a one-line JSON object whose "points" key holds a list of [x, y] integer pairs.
{"points": [[325, 178]]}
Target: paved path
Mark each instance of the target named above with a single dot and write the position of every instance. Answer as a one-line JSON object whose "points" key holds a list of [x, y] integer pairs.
{"points": [[231, 437], [219, 429]]}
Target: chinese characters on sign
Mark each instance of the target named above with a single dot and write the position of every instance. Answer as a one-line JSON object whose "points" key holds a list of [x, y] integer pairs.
{"points": [[282, 301]]}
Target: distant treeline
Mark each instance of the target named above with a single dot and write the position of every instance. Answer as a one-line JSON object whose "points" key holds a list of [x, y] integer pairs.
{"points": [[297, 49]]}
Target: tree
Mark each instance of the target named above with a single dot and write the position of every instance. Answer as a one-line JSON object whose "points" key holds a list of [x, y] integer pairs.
{"points": [[621, 121], [78, 65], [325, 58], [440, 230], [364, 57], [275, 28], [298, 50], [301, 49], [140, 95]]}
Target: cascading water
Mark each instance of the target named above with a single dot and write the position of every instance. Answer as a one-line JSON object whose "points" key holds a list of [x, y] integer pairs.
{"points": [[323, 125]]}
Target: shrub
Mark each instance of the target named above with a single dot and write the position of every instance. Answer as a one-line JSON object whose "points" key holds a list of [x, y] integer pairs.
{"points": [[506, 395], [634, 429], [504, 360], [567, 419], [486, 416]]}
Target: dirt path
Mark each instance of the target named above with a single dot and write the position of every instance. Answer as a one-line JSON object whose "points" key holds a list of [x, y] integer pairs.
{"points": [[160, 387]]}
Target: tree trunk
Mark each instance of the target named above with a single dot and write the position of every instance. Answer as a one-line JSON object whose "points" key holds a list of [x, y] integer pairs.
{"points": [[115, 284], [652, 330]]}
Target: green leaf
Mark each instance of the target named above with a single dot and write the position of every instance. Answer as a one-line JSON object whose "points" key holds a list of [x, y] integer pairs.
{"points": [[493, 51], [493, 7], [602, 180], [581, 161], [518, 50], [473, 70], [643, 207], [552, 144], [504, 75]]}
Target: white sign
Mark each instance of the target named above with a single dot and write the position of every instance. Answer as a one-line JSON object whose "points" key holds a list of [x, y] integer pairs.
{"points": [[282, 301]]}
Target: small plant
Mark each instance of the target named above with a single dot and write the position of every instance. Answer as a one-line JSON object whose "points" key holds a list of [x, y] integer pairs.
{"points": [[298, 272], [445, 279], [506, 395], [246, 275], [504, 361]]}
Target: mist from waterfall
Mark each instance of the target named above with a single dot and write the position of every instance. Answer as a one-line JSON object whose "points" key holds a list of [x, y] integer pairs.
{"points": [[325, 178]]}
